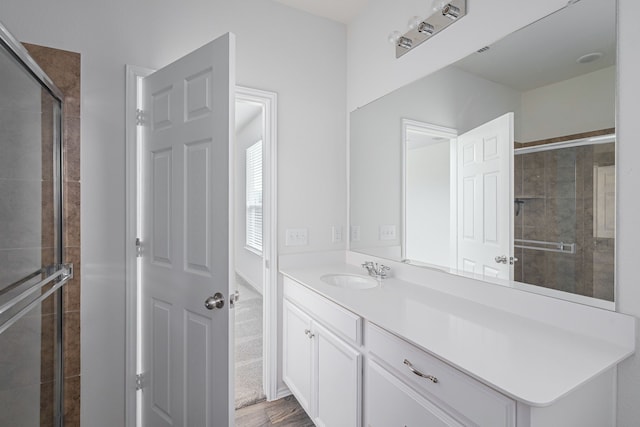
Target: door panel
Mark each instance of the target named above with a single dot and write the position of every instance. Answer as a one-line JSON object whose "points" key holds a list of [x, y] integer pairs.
{"points": [[485, 197], [187, 135]]}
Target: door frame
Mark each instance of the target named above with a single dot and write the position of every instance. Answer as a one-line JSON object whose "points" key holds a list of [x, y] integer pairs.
{"points": [[268, 101]]}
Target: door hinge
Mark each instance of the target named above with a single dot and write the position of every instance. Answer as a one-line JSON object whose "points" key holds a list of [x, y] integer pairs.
{"points": [[139, 379], [138, 247], [139, 117]]}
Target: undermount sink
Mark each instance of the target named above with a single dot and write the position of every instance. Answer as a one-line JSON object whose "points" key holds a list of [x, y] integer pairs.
{"points": [[350, 281]]}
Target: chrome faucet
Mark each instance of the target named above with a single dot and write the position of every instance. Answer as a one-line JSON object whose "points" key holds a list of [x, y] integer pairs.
{"points": [[379, 271]]}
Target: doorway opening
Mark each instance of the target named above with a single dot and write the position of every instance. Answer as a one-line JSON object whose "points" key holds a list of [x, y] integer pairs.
{"points": [[249, 254]]}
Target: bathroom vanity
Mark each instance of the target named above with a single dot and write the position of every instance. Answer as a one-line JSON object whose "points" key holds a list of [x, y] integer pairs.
{"points": [[416, 350]]}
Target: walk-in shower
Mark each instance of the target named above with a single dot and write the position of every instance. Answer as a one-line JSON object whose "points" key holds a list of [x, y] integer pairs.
{"points": [[564, 215], [32, 270]]}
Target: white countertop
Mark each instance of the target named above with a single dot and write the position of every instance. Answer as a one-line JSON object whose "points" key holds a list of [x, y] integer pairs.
{"points": [[530, 361]]}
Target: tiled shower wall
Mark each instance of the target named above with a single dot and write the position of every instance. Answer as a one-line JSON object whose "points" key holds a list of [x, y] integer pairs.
{"points": [[556, 191], [63, 68]]}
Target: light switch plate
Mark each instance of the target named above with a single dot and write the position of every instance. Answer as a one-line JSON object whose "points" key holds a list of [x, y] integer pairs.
{"points": [[296, 237], [336, 234], [355, 233], [387, 232]]}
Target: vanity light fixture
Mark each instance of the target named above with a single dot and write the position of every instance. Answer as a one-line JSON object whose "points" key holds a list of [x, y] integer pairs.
{"points": [[426, 28], [451, 11], [405, 42], [445, 12]]}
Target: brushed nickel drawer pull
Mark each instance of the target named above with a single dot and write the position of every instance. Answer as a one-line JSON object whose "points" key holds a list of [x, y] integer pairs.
{"points": [[420, 374]]}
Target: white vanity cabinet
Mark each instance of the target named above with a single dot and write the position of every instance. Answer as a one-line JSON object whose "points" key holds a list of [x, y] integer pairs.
{"points": [[413, 386], [322, 363], [503, 370]]}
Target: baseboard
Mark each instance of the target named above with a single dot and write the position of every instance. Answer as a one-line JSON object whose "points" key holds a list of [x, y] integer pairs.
{"points": [[283, 391], [249, 283]]}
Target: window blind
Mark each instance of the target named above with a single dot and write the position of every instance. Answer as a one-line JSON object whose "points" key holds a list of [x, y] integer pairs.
{"points": [[254, 196]]}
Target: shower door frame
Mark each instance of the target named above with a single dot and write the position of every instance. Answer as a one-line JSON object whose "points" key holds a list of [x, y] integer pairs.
{"points": [[59, 271]]}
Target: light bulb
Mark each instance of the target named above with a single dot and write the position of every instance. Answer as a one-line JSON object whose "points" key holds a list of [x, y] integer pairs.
{"points": [[394, 37], [437, 5], [414, 22]]}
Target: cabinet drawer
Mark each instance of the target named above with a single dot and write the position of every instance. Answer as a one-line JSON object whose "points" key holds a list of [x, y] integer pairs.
{"points": [[474, 403], [331, 315], [390, 402]]}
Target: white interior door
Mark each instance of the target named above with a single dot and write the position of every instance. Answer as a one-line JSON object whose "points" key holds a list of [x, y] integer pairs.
{"points": [[186, 257], [485, 199]]}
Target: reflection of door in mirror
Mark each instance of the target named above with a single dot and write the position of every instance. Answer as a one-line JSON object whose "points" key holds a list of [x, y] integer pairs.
{"points": [[484, 192]]}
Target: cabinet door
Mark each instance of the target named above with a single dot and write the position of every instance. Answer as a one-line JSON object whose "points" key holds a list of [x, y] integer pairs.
{"points": [[296, 363], [390, 402], [338, 379]]}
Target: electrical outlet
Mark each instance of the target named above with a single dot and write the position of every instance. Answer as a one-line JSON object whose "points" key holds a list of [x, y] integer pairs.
{"points": [[387, 232], [355, 233], [296, 237], [336, 234]]}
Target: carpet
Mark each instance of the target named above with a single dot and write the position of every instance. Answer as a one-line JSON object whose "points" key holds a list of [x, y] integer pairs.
{"points": [[248, 346]]}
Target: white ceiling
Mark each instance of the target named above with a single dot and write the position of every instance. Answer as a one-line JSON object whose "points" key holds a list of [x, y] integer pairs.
{"points": [[547, 50], [337, 10]]}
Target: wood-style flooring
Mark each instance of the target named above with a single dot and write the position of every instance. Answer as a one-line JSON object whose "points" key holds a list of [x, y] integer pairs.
{"points": [[285, 412]]}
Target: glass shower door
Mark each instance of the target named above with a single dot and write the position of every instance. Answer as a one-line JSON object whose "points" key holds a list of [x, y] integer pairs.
{"points": [[31, 267]]}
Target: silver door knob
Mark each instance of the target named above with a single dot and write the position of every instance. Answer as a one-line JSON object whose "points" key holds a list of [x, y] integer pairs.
{"points": [[216, 301], [504, 260]]}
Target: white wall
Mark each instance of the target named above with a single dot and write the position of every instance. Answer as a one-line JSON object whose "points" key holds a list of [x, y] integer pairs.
{"points": [[299, 56], [566, 108], [628, 226], [248, 263], [373, 71], [428, 215]]}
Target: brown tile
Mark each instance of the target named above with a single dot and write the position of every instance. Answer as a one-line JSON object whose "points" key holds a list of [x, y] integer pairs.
{"points": [[47, 349], [533, 267], [48, 225], [72, 214], [561, 220], [64, 69], [72, 288], [47, 127], [533, 213], [71, 349], [533, 160], [603, 284], [72, 402], [533, 182], [561, 182], [48, 305], [71, 149], [47, 396]]}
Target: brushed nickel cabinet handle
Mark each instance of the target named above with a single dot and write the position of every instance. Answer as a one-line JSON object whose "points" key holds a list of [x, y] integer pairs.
{"points": [[420, 374]]}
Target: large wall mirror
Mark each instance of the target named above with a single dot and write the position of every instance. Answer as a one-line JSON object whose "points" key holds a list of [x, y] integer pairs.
{"points": [[500, 166]]}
